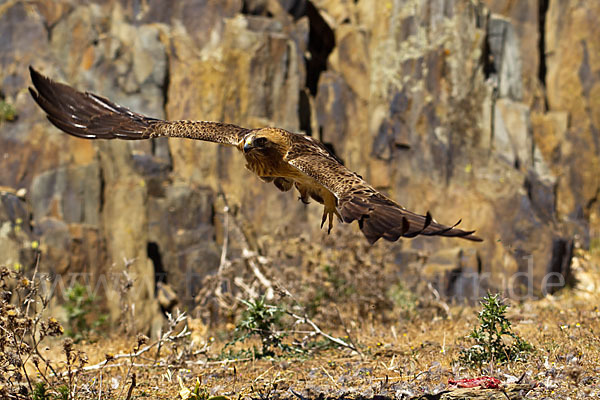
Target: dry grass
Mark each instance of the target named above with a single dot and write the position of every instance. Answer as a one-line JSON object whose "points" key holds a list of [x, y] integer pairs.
{"points": [[419, 358]]}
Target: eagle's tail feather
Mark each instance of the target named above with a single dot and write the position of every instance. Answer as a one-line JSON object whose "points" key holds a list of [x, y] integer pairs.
{"points": [[379, 217]]}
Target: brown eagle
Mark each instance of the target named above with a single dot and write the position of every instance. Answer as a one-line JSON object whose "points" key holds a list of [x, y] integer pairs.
{"points": [[287, 159]]}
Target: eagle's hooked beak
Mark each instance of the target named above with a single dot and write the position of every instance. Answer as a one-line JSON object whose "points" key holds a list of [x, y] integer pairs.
{"points": [[248, 144]]}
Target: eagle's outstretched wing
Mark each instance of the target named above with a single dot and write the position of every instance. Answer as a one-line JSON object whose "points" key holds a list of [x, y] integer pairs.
{"points": [[89, 116], [377, 215]]}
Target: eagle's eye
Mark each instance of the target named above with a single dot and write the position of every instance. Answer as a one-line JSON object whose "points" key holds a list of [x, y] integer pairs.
{"points": [[260, 142]]}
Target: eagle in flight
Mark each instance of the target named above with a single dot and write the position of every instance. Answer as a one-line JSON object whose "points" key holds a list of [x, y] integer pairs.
{"points": [[287, 159]]}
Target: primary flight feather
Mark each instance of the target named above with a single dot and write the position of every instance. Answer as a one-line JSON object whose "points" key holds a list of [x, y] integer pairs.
{"points": [[287, 159]]}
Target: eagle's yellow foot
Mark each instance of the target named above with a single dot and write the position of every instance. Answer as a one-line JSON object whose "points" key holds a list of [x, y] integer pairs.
{"points": [[329, 213]]}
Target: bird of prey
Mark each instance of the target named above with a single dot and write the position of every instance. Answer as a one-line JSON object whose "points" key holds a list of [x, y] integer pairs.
{"points": [[287, 159]]}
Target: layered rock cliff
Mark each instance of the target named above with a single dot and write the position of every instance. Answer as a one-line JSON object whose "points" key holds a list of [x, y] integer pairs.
{"points": [[482, 110]]}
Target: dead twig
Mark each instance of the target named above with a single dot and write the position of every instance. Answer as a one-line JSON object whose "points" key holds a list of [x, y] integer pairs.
{"points": [[224, 262], [250, 258], [330, 377], [250, 292], [166, 337], [130, 391], [318, 331]]}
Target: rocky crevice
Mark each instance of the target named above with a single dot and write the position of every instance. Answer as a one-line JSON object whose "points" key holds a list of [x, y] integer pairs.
{"points": [[154, 255], [542, 68], [559, 268], [321, 43], [164, 87], [305, 112], [102, 184]]}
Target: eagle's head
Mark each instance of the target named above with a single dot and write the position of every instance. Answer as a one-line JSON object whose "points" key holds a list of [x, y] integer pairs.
{"points": [[266, 140]]}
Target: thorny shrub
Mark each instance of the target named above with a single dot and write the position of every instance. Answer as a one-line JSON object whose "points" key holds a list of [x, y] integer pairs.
{"points": [[277, 328], [262, 320], [494, 339]]}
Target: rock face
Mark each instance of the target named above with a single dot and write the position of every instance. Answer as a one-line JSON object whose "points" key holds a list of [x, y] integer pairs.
{"points": [[486, 111]]}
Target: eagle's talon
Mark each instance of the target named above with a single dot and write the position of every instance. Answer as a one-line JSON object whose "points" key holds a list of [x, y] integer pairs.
{"points": [[339, 216], [328, 215]]}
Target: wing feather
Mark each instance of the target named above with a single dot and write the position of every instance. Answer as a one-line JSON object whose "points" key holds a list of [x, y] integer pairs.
{"points": [[89, 116], [377, 216]]}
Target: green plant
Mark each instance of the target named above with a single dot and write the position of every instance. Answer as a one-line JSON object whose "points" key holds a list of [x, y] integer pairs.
{"points": [[265, 321], [7, 111], [262, 320], [82, 313], [40, 392], [494, 339]]}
